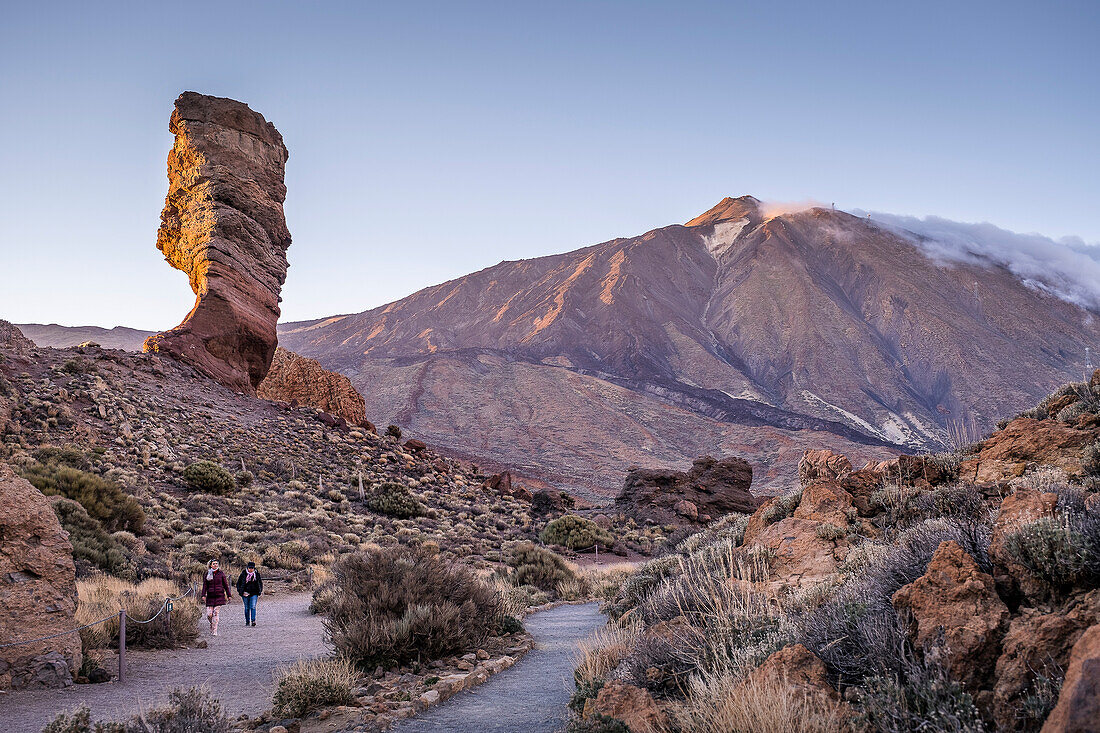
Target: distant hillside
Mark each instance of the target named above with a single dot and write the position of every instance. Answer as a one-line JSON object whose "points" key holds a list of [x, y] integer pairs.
{"points": [[60, 337], [739, 333]]}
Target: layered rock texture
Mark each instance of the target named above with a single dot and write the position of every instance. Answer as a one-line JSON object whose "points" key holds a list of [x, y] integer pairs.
{"points": [[223, 225], [303, 381], [37, 589], [710, 489], [738, 333]]}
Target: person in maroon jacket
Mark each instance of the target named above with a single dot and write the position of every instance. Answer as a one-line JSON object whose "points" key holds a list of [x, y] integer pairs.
{"points": [[215, 593]]}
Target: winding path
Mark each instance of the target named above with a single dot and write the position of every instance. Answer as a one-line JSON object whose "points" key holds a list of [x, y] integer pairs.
{"points": [[236, 667], [531, 696]]}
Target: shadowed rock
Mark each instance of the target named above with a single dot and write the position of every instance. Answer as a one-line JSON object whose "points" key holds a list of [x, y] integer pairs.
{"points": [[223, 225], [708, 490]]}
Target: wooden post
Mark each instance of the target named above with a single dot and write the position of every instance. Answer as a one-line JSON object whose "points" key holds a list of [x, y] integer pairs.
{"points": [[122, 645], [362, 494], [168, 621]]}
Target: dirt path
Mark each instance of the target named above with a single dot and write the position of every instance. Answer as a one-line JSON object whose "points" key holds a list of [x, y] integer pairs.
{"points": [[530, 697], [236, 666]]}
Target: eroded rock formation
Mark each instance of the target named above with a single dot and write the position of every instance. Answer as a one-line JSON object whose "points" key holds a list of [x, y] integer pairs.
{"points": [[708, 490], [223, 225], [296, 379], [37, 589]]}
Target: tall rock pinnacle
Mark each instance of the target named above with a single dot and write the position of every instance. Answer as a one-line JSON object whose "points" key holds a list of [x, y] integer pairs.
{"points": [[223, 225]]}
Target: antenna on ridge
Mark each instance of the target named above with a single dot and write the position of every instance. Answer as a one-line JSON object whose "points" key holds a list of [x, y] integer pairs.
{"points": [[1088, 363]]}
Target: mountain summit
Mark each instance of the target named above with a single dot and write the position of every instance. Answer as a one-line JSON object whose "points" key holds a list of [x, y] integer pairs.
{"points": [[735, 333]]}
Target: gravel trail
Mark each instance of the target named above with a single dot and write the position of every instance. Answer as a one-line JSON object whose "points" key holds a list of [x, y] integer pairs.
{"points": [[531, 696], [236, 667]]}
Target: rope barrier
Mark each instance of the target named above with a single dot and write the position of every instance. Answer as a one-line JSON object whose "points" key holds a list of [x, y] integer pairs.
{"points": [[163, 606]]}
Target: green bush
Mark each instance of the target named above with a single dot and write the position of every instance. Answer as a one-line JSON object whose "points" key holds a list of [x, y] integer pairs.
{"points": [[394, 432], [538, 566], [312, 684], [576, 533], [585, 690], [925, 699], [208, 477], [395, 605], [243, 478], [92, 545], [1063, 551], [102, 499], [394, 500]]}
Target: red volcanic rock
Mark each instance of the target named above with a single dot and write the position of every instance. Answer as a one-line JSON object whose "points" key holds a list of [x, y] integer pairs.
{"points": [[223, 225], [955, 598], [296, 379], [1007, 453], [12, 338], [1078, 708], [501, 482], [1037, 644], [798, 554], [714, 487], [817, 464], [1018, 508], [415, 445], [825, 501], [798, 667], [37, 589], [632, 705]]}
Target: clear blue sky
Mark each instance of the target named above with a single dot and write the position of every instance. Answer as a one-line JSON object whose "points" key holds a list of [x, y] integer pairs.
{"points": [[428, 140]]}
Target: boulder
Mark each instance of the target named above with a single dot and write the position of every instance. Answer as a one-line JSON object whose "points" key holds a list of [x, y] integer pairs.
{"points": [[500, 482], [822, 464], [715, 487], [223, 225], [1007, 453], [632, 705], [37, 589], [954, 597], [799, 667], [1036, 644], [1078, 708], [1019, 507], [415, 445], [797, 555], [297, 379], [826, 501]]}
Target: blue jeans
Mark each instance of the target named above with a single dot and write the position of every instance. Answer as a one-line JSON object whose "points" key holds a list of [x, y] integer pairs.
{"points": [[250, 608]]}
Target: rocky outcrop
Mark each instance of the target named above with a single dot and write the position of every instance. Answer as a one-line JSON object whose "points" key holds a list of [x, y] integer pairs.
{"points": [[1037, 645], [819, 464], [223, 225], [632, 705], [12, 338], [1008, 452], [301, 381], [1017, 509], [1078, 708], [37, 589], [713, 488], [798, 667], [956, 599]]}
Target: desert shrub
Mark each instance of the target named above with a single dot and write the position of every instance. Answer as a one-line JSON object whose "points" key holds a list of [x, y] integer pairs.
{"points": [[1040, 698], [830, 532], [576, 533], [104, 596], [69, 455], [1063, 551], [729, 528], [394, 500], [585, 690], [208, 477], [637, 587], [187, 711], [392, 431], [782, 507], [243, 478], [602, 652], [538, 566], [597, 723], [509, 625], [923, 698], [93, 547], [952, 501], [308, 685], [856, 632], [1090, 459], [719, 703], [393, 605], [102, 499]]}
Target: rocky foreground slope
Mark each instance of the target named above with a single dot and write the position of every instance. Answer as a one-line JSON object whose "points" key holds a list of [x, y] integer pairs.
{"points": [[739, 333]]}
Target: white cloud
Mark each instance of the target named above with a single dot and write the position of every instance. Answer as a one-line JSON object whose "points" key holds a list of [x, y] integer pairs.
{"points": [[1067, 267]]}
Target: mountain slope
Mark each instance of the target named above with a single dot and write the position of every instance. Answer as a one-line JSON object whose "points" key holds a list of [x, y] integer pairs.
{"points": [[61, 337], [737, 332]]}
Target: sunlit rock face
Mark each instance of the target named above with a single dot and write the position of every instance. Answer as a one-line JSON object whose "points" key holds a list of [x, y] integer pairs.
{"points": [[223, 225]]}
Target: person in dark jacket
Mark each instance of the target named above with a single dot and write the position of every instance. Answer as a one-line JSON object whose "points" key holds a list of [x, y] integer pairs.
{"points": [[250, 585], [215, 593]]}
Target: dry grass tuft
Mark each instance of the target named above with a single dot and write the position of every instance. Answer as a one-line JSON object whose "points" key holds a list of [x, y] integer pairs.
{"points": [[103, 595], [719, 703]]}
